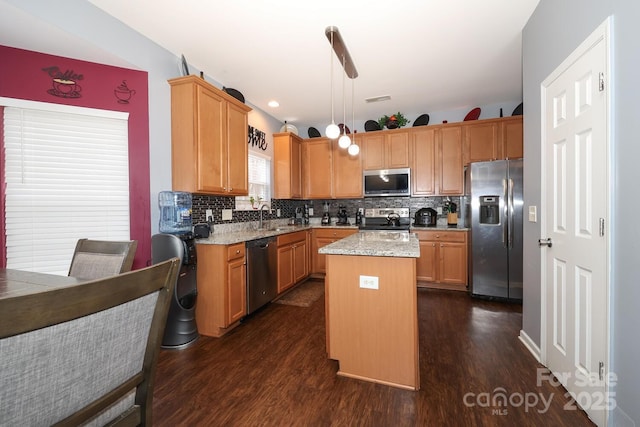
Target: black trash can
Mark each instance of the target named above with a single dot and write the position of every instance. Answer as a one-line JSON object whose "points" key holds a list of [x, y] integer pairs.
{"points": [[181, 329]]}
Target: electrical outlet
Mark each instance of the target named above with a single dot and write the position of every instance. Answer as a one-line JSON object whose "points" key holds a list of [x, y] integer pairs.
{"points": [[533, 213], [278, 212], [439, 210], [310, 211], [369, 282], [209, 215], [227, 214]]}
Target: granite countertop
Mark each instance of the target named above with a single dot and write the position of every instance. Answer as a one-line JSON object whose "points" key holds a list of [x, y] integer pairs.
{"points": [[231, 238], [399, 244], [249, 231], [440, 228]]}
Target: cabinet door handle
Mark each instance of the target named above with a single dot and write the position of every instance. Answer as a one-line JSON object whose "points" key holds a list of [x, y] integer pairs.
{"points": [[237, 251]]}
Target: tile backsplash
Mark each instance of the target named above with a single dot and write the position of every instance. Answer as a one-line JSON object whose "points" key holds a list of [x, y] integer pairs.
{"points": [[288, 207]]}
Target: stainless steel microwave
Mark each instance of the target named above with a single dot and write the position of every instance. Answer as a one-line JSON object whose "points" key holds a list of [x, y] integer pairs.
{"points": [[387, 182]]}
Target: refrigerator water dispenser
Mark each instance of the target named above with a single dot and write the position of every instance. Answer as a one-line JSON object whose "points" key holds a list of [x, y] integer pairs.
{"points": [[489, 210]]}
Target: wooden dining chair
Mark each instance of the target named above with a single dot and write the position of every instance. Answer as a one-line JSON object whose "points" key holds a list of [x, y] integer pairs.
{"points": [[93, 259], [85, 353]]}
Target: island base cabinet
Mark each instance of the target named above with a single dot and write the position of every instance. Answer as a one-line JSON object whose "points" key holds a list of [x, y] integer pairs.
{"points": [[373, 333], [222, 289]]}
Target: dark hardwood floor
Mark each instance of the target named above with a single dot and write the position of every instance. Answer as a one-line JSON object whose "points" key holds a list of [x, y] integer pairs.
{"points": [[273, 370]]}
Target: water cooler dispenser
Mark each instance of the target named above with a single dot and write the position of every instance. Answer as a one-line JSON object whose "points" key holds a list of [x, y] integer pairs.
{"points": [[177, 240]]}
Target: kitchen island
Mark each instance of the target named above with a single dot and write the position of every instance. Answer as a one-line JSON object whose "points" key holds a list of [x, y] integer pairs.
{"points": [[371, 307]]}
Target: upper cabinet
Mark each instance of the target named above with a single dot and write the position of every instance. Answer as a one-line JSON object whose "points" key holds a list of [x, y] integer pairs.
{"points": [[329, 172], [287, 154], [316, 168], [346, 171], [208, 139], [385, 149], [493, 139], [436, 161]]}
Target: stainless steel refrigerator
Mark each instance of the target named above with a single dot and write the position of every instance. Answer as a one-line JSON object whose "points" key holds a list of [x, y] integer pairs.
{"points": [[495, 199]]}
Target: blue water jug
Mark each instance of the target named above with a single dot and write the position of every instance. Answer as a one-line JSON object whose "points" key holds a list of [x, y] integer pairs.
{"points": [[175, 212]]}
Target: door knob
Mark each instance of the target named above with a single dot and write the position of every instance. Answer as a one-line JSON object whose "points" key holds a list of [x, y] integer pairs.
{"points": [[544, 242]]}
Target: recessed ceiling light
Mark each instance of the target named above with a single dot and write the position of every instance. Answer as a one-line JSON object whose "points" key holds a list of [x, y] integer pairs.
{"points": [[378, 98], [273, 104]]}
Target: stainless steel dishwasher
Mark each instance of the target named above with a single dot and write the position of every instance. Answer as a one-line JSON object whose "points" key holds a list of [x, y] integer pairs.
{"points": [[262, 272]]}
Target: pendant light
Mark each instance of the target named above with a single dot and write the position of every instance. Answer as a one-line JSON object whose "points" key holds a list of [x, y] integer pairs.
{"points": [[332, 131], [344, 140], [353, 149]]}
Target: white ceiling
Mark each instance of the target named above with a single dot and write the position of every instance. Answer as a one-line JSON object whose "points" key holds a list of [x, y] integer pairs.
{"points": [[427, 55]]}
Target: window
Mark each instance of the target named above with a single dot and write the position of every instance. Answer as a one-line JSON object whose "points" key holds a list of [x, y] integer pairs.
{"points": [[259, 183], [67, 177]]}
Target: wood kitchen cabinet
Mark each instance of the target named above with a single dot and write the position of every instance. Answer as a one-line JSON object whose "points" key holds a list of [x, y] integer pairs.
{"points": [[493, 139], [436, 161], [346, 171], [208, 139], [293, 259], [387, 149], [329, 172], [321, 237], [443, 259], [287, 155], [512, 137], [222, 290], [316, 167]]}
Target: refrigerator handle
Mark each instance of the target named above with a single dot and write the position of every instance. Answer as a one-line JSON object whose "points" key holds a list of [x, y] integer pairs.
{"points": [[511, 213], [505, 226]]}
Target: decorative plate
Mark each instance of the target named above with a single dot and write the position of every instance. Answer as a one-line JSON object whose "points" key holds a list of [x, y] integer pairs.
{"points": [[235, 93], [314, 133], [371, 125], [184, 67], [518, 110], [473, 114], [422, 120]]}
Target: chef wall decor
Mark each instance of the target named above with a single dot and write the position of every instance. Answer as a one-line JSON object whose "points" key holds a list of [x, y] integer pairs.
{"points": [[257, 138]]}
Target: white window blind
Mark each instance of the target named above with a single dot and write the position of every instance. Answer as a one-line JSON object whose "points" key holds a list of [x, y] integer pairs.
{"points": [[67, 177], [259, 177]]}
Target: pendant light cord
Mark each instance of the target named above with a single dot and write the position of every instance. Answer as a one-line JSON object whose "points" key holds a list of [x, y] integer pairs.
{"points": [[331, 53], [344, 102]]}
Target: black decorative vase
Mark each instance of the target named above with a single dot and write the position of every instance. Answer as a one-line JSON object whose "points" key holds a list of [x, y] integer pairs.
{"points": [[392, 124]]}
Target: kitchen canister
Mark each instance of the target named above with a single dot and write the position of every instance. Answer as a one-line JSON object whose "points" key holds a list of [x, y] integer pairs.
{"points": [[175, 212]]}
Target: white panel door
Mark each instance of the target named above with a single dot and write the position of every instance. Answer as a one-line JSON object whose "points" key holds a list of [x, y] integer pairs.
{"points": [[575, 186]]}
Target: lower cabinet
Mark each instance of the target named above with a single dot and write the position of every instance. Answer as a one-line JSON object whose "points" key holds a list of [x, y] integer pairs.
{"points": [[321, 237], [222, 288], [443, 259], [293, 259]]}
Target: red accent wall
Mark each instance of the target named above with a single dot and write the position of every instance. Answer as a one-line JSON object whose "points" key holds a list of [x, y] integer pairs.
{"points": [[31, 75]]}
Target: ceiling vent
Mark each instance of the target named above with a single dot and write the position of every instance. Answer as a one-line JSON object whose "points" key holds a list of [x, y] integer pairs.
{"points": [[378, 98]]}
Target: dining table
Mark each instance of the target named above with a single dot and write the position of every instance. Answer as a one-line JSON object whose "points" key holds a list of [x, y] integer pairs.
{"points": [[17, 283]]}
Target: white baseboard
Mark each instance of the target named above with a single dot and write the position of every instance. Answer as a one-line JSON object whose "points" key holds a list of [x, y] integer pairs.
{"points": [[530, 344]]}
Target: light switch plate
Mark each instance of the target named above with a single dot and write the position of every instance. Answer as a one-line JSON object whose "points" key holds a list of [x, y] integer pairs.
{"points": [[533, 213], [439, 210], [227, 214], [369, 282], [310, 211], [278, 212]]}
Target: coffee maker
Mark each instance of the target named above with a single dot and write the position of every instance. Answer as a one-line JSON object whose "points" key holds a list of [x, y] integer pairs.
{"points": [[326, 218], [343, 217]]}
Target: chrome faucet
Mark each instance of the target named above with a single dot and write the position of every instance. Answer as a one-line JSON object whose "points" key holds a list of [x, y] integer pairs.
{"points": [[262, 209]]}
